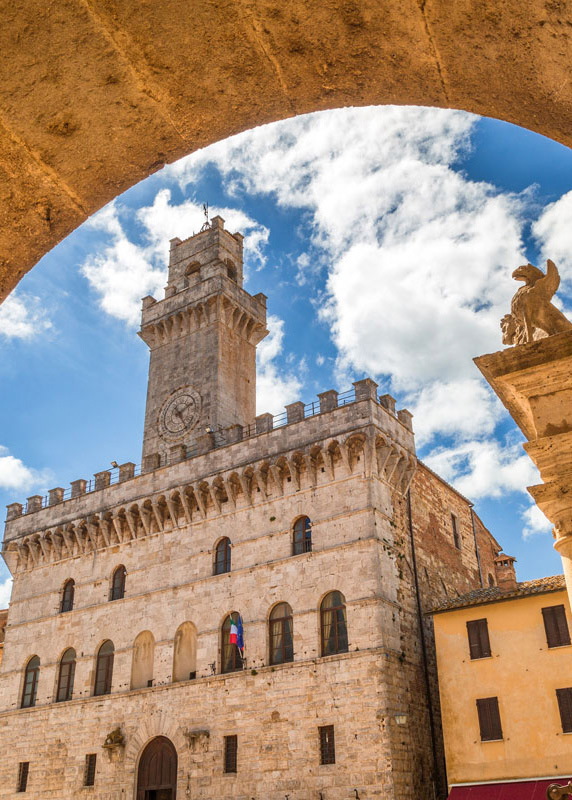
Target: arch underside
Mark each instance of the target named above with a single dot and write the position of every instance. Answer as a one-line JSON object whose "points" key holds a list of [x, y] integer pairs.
{"points": [[116, 89]]}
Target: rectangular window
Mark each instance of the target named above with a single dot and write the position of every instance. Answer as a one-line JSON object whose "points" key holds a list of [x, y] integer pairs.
{"points": [[456, 537], [489, 719], [556, 626], [565, 705], [230, 753], [23, 775], [327, 745], [478, 633], [89, 774]]}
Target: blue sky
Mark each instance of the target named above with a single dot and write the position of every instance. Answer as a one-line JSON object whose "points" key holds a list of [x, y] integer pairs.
{"points": [[384, 239]]}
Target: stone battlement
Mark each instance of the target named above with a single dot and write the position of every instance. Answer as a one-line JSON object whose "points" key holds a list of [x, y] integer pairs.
{"points": [[212, 440], [262, 461]]}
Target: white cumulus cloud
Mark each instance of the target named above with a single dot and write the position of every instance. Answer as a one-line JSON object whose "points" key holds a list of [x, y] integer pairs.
{"points": [[535, 522], [23, 316], [463, 408], [15, 475], [553, 231], [275, 388], [418, 256], [484, 468], [125, 270], [5, 592]]}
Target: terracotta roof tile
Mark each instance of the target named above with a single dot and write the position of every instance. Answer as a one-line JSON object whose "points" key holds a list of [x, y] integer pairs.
{"points": [[553, 583]]}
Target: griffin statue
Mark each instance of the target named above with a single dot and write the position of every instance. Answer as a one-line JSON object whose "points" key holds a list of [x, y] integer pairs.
{"points": [[532, 314]]}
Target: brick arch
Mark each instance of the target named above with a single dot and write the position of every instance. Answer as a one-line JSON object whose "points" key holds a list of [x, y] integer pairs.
{"points": [[134, 86]]}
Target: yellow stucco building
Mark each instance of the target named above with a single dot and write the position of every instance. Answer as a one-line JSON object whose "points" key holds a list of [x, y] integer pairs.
{"points": [[504, 658]]}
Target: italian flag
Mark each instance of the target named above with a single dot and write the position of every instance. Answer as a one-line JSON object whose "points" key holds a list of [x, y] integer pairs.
{"points": [[233, 631]]}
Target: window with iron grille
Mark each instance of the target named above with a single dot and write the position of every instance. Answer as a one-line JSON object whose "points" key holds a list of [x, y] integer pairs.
{"points": [[327, 745], [456, 535], [117, 590], [89, 772], [478, 633], [222, 557], [302, 536], [489, 719], [67, 596], [564, 697], [230, 753], [23, 770], [556, 626], [104, 668]]}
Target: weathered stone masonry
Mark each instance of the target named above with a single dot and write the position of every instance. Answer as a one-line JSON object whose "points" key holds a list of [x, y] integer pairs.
{"points": [[349, 468]]}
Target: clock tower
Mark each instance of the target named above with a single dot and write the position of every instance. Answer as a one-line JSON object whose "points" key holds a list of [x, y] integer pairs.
{"points": [[202, 337]]}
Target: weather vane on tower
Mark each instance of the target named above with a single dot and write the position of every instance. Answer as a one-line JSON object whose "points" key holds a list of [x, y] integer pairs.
{"points": [[206, 223]]}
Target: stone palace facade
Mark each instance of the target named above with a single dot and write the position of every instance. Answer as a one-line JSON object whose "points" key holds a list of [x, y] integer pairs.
{"points": [[317, 532]]}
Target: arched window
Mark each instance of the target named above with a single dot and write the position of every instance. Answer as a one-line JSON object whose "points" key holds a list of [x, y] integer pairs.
{"points": [[143, 660], [104, 669], [280, 634], [333, 624], [117, 590], [67, 596], [231, 656], [222, 557], [491, 580], [185, 653], [302, 536], [66, 676], [31, 677]]}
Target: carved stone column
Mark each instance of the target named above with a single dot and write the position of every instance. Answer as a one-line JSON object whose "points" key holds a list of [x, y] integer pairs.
{"points": [[534, 382]]}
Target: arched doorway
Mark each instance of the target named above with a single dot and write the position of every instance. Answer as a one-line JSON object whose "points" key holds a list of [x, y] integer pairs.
{"points": [[157, 773]]}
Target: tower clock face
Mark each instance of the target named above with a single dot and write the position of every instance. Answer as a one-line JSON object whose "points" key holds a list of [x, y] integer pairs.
{"points": [[180, 413]]}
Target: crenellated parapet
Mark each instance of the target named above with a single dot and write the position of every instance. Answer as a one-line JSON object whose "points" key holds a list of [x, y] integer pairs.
{"points": [[368, 451], [243, 315], [297, 412], [358, 439]]}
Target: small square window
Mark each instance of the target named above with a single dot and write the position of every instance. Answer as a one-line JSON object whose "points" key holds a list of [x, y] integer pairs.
{"points": [[89, 773], [230, 753], [23, 770], [327, 745]]}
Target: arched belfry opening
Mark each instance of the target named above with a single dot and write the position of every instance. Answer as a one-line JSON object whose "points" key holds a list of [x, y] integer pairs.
{"points": [[157, 773]]}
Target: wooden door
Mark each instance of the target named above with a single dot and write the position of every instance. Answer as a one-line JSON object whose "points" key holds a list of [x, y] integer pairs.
{"points": [[157, 774]]}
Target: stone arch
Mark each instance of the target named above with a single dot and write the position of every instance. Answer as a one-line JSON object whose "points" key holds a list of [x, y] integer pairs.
{"points": [[372, 53], [185, 652], [153, 725], [157, 770], [142, 661]]}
